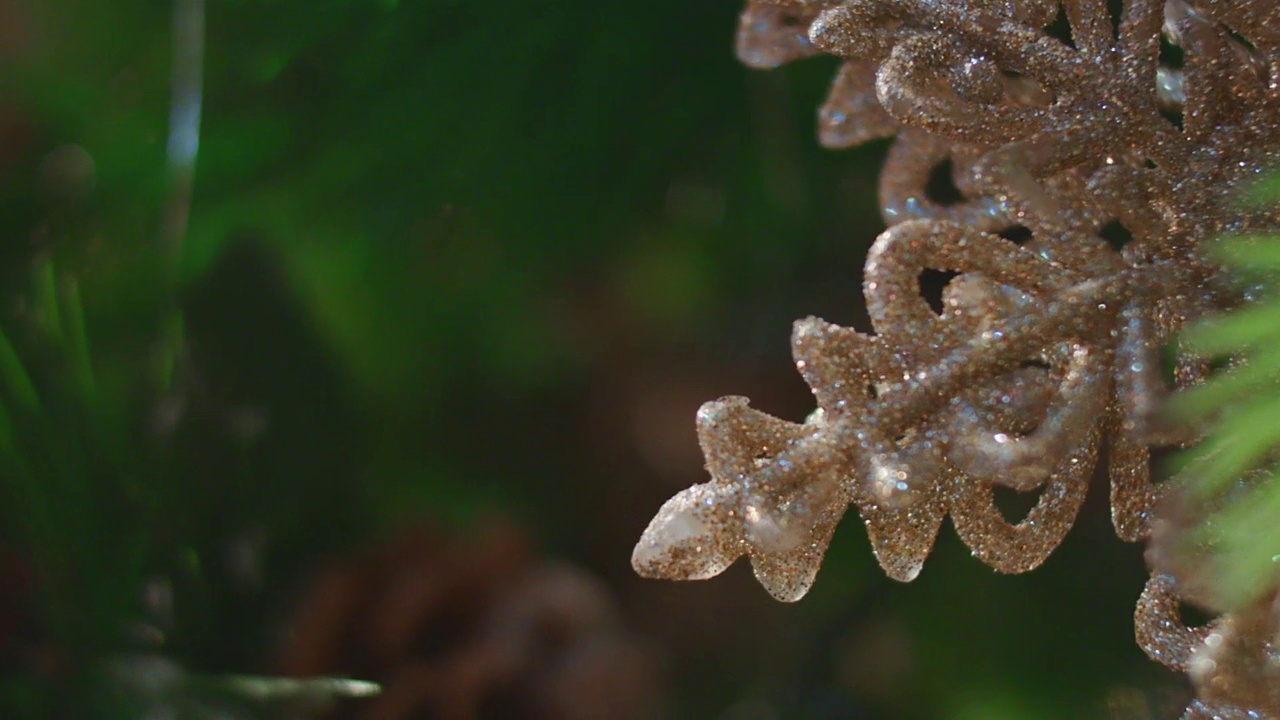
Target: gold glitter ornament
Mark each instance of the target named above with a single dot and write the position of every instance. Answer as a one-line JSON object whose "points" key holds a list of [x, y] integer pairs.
{"points": [[1115, 169], [1061, 138], [1234, 661], [771, 34], [953, 391], [1159, 628]]}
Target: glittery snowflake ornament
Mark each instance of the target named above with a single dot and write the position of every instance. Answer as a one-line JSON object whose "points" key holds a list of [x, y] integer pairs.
{"points": [[1091, 173]]}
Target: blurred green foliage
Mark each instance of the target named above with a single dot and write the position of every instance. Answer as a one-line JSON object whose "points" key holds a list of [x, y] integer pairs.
{"points": [[442, 259]]}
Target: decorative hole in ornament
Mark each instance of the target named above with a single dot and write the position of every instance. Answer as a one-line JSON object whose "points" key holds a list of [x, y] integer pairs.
{"points": [[941, 187]]}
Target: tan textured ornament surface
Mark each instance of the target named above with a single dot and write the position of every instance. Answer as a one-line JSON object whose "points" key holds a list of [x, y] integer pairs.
{"points": [[1045, 349]]}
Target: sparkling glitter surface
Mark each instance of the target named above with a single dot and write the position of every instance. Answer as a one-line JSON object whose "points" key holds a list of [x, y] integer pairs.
{"points": [[1117, 167]]}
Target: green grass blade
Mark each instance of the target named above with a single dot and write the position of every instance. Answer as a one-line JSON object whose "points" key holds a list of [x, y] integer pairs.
{"points": [[78, 342], [16, 378]]}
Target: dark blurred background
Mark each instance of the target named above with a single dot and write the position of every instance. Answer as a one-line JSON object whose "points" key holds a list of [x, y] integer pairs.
{"points": [[390, 386]]}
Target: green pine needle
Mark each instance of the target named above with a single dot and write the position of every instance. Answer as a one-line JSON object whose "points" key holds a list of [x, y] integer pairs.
{"points": [[14, 374], [78, 341], [1236, 468]]}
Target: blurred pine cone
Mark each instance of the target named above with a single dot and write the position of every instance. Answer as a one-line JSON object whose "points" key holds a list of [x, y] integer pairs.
{"points": [[461, 628]]}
